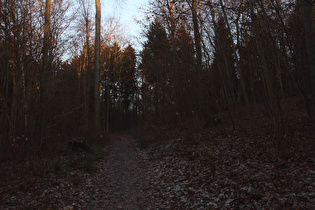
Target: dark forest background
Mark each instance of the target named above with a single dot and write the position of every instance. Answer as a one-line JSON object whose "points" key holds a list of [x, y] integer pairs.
{"points": [[199, 58]]}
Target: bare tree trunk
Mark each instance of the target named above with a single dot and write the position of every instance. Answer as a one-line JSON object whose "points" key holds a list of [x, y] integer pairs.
{"points": [[308, 14], [107, 95], [5, 85], [108, 103], [87, 73], [303, 91], [239, 70], [44, 72], [15, 76], [17, 118], [85, 82], [86, 77], [267, 77], [197, 38], [80, 70], [97, 67]]}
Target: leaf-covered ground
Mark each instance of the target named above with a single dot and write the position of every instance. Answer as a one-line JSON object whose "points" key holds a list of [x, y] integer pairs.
{"points": [[220, 174], [178, 167], [234, 167]]}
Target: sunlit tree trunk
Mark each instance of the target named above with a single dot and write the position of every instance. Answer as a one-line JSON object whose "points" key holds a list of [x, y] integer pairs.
{"points": [[86, 75], [84, 82], [97, 67]]}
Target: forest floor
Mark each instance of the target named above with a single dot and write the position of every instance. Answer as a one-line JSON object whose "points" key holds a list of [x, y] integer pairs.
{"points": [[183, 166], [117, 180]]}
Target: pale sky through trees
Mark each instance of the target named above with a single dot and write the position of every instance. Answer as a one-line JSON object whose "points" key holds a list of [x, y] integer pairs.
{"points": [[126, 11]]}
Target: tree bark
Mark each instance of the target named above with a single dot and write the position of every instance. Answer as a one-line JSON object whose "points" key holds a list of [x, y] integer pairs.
{"points": [[267, 77], [197, 38], [6, 78], [239, 70], [308, 14], [86, 75], [44, 71], [97, 67], [84, 82]]}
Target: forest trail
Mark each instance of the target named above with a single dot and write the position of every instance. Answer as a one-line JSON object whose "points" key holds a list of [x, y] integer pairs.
{"points": [[121, 182], [206, 172]]}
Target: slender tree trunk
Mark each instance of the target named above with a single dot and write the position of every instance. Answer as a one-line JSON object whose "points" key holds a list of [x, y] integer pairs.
{"points": [[5, 85], [79, 92], [267, 77], [302, 89], [97, 67], [86, 77], [197, 38], [44, 72], [24, 99], [108, 103], [308, 14], [276, 59], [239, 70], [107, 96], [14, 99]]}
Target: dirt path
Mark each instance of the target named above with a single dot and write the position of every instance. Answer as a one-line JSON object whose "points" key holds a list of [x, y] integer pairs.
{"points": [[216, 174], [121, 182]]}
